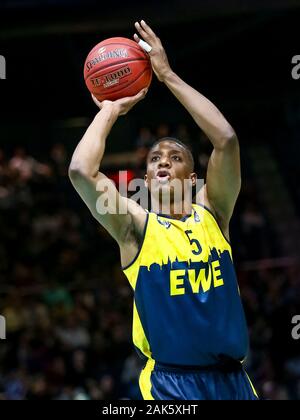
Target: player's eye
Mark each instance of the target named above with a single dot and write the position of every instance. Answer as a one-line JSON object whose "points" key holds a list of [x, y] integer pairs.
{"points": [[177, 158], [154, 158]]}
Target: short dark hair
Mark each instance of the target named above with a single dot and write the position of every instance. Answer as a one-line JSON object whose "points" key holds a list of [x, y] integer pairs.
{"points": [[181, 144]]}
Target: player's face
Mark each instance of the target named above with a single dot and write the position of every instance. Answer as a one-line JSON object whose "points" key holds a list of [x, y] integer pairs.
{"points": [[166, 162]]}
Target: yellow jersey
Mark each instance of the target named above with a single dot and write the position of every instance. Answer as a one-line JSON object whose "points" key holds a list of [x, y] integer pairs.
{"points": [[187, 306]]}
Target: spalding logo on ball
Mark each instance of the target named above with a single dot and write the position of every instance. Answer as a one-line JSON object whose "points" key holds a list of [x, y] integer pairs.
{"points": [[116, 68]]}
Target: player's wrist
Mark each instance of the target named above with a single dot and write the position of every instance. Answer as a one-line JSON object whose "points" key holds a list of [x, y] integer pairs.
{"points": [[108, 110], [166, 75]]}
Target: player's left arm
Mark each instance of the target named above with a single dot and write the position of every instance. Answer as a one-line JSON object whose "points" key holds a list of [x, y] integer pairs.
{"points": [[223, 179]]}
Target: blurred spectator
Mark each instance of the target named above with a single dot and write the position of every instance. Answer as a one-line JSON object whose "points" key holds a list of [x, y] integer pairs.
{"points": [[59, 159], [163, 130], [145, 138], [182, 134], [26, 166], [72, 335], [253, 228]]}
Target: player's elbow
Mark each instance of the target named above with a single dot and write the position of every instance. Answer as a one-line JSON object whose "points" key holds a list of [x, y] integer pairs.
{"points": [[228, 140], [77, 171]]}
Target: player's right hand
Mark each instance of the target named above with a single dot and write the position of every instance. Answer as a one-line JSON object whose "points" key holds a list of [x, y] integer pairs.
{"points": [[157, 53], [123, 105]]}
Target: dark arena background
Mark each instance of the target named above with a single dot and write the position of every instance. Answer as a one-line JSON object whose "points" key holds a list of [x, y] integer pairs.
{"points": [[67, 305]]}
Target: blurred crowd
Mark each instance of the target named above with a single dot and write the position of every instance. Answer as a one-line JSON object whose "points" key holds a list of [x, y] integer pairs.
{"points": [[68, 306]]}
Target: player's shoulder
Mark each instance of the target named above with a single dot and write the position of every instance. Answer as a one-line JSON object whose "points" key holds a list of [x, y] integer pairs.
{"points": [[135, 208], [203, 201], [138, 215]]}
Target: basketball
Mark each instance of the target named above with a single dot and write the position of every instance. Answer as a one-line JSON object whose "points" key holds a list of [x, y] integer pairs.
{"points": [[116, 68]]}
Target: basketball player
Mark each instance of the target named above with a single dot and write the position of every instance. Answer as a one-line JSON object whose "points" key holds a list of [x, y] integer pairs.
{"points": [[188, 320]]}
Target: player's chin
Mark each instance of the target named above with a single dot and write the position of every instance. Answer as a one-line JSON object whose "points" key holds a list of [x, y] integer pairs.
{"points": [[158, 185], [163, 190]]}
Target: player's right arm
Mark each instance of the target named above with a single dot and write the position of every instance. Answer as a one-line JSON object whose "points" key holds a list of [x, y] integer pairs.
{"points": [[89, 181]]}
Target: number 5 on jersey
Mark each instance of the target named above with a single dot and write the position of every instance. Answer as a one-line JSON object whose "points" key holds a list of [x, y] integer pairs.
{"points": [[194, 242]]}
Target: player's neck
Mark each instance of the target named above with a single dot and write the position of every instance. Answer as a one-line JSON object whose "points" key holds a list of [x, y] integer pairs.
{"points": [[176, 210]]}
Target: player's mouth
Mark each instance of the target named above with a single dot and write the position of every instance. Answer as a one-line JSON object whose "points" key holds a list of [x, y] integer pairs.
{"points": [[163, 176]]}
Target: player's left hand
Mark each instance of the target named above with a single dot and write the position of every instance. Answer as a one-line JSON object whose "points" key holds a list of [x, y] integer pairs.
{"points": [[122, 105], [158, 56]]}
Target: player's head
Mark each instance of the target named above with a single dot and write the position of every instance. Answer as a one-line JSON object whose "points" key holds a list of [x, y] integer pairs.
{"points": [[169, 159]]}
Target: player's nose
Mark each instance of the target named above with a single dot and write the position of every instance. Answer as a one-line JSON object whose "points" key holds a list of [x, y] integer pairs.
{"points": [[164, 162]]}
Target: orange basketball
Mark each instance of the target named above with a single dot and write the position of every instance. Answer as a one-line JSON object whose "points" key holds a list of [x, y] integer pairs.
{"points": [[116, 68]]}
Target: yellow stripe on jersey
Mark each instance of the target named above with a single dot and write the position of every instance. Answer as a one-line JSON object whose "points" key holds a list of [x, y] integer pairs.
{"points": [[138, 334], [252, 386], [145, 380]]}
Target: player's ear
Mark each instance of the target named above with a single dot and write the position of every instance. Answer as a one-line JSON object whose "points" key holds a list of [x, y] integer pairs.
{"points": [[193, 177], [146, 180]]}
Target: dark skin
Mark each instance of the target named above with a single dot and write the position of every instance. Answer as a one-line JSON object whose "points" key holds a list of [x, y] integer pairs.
{"points": [[171, 157]]}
